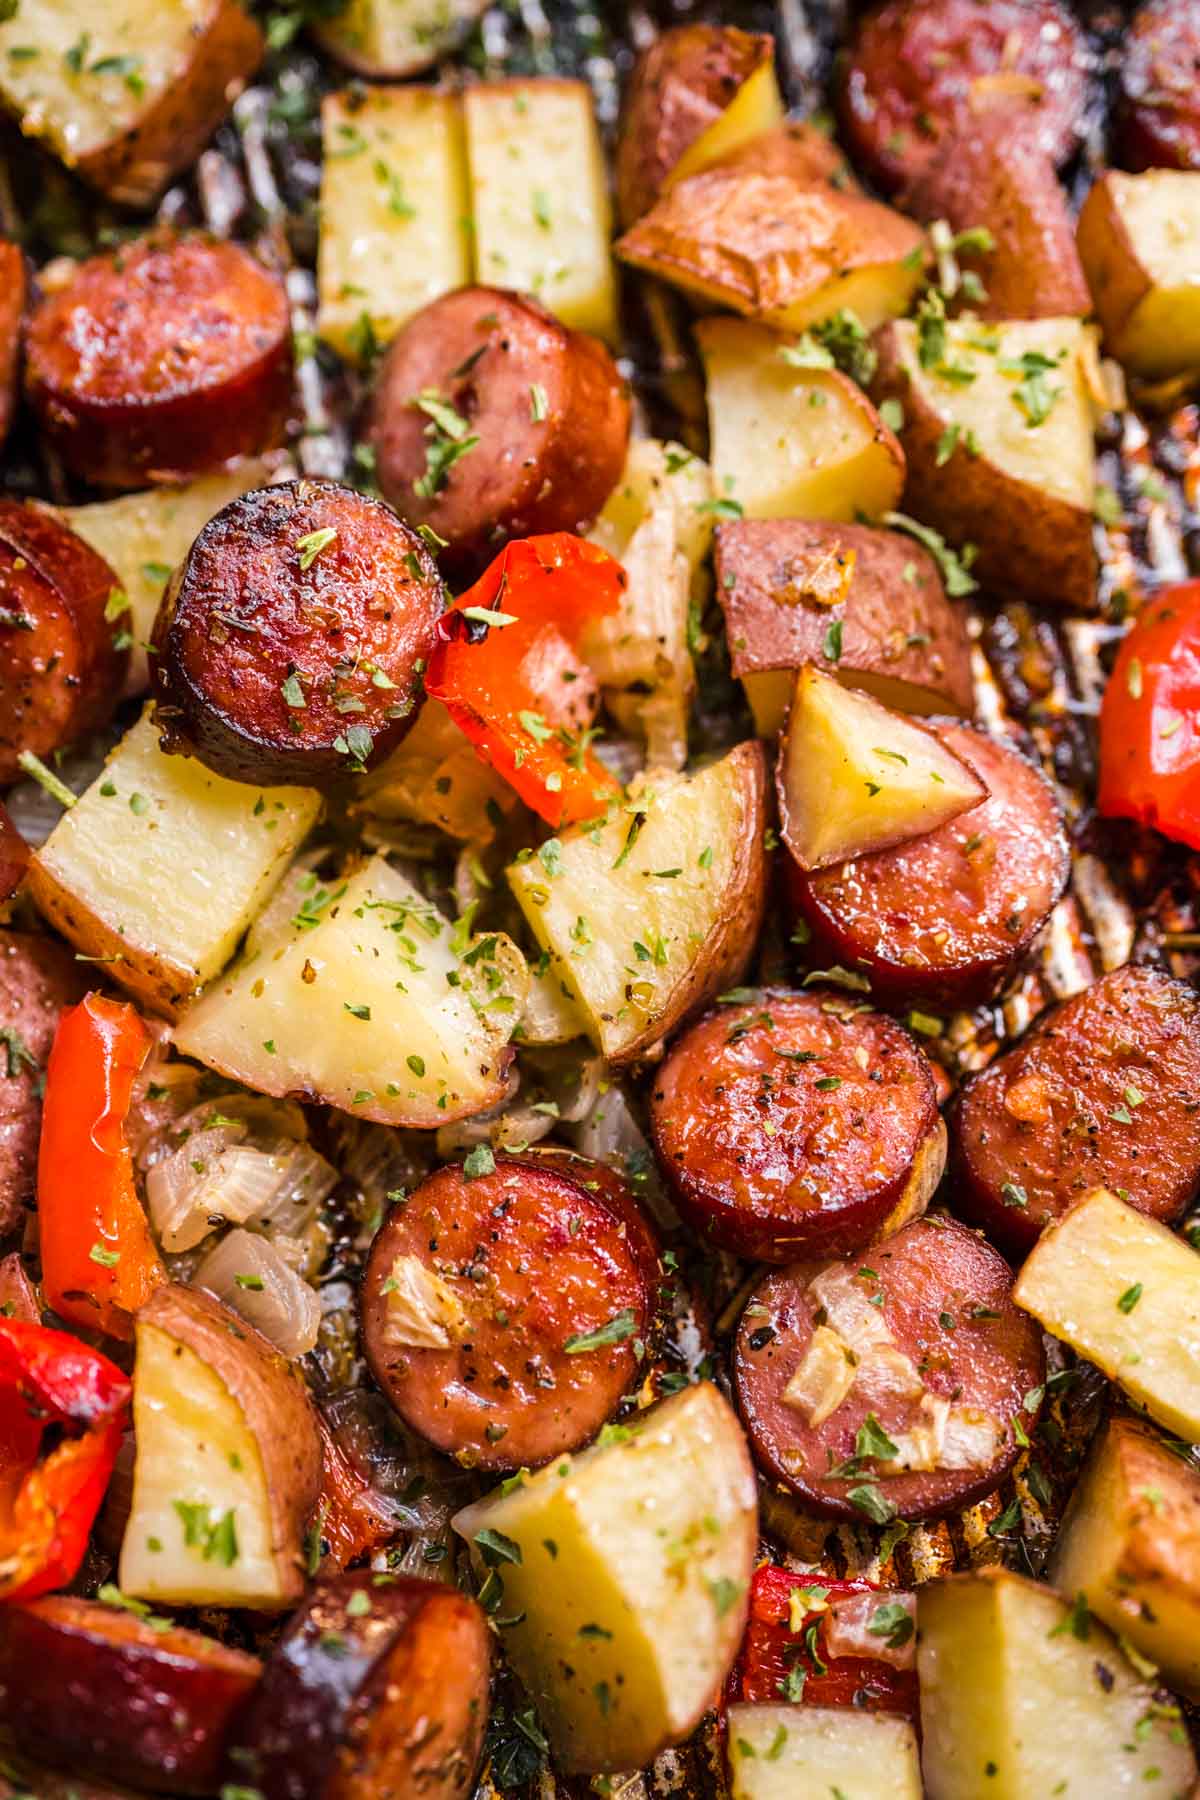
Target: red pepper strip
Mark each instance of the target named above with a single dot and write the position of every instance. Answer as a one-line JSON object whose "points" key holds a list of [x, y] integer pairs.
{"points": [[516, 690], [347, 1521], [99, 1262], [773, 1657], [1150, 720], [48, 1503]]}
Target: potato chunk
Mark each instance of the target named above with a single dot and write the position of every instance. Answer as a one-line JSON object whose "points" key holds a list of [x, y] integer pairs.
{"points": [[393, 38], [790, 1752], [653, 911], [127, 95], [1023, 1696], [539, 196], [161, 866], [361, 994], [391, 239], [1130, 1544], [792, 442], [630, 1579], [855, 777], [1124, 1292], [1139, 238]]}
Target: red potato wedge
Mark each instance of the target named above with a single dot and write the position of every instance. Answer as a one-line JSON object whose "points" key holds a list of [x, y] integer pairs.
{"points": [[783, 583], [75, 1675], [802, 152], [697, 93], [1139, 237], [389, 39]]}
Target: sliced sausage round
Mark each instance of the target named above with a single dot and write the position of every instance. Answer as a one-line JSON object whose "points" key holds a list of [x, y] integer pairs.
{"points": [[1160, 86], [61, 667], [887, 1385], [378, 1690], [14, 855], [163, 358], [1104, 1091], [39, 978], [491, 420], [14, 292], [943, 919], [797, 1125], [104, 1690], [503, 1312], [292, 641], [919, 69]]}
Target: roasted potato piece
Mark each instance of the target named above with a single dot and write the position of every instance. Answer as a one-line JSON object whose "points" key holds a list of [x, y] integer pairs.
{"points": [[1122, 1291], [788, 441], [394, 38], [649, 913], [126, 96], [799, 150], [360, 993], [791, 1752], [127, 875], [1139, 237], [1130, 1543], [695, 95], [658, 1530], [1023, 1695], [389, 241], [783, 584], [228, 1461], [854, 777], [539, 198], [997, 434], [788, 255]]}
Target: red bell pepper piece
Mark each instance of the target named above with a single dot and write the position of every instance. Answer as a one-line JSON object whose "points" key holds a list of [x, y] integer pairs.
{"points": [[1150, 720], [776, 1663], [347, 1523], [48, 1379], [514, 688], [99, 1262]]}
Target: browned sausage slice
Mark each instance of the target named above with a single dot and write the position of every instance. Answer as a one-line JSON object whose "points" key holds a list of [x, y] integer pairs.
{"points": [[1160, 86], [38, 978], [14, 292], [942, 919], [292, 641], [168, 356], [378, 1690], [14, 855], [921, 68], [797, 1125], [101, 1689], [491, 420], [887, 1385], [1104, 1091], [61, 671], [502, 1313]]}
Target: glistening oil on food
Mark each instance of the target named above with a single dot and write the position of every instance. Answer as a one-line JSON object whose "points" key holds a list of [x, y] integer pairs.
{"points": [[600, 852]]}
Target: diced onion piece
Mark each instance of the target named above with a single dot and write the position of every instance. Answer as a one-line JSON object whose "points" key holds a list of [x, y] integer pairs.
{"points": [[885, 1374], [824, 1378], [303, 1181], [972, 1438], [847, 1303], [183, 1190], [848, 1629], [249, 1274], [919, 1449], [423, 1311]]}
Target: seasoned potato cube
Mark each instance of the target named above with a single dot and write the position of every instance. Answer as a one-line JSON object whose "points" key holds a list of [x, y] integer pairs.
{"points": [[365, 997], [394, 229], [1124, 1292], [393, 38], [1130, 1543], [792, 1752], [161, 865], [792, 442], [1139, 238], [128, 94], [539, 197], [651, 912], [628, 1591], [1024, 1696]]}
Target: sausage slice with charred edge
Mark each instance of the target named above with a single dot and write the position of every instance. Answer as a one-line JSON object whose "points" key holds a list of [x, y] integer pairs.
{"points": [[887, 1385], [161, 359], [944, 918], [919, 69], [142, 1701], [39, 977], [797, 1125], [378, 1690], [1104, 1091], [292, 641], [61, 671], [502, 1312], [492, 420], [1160, 86]]}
